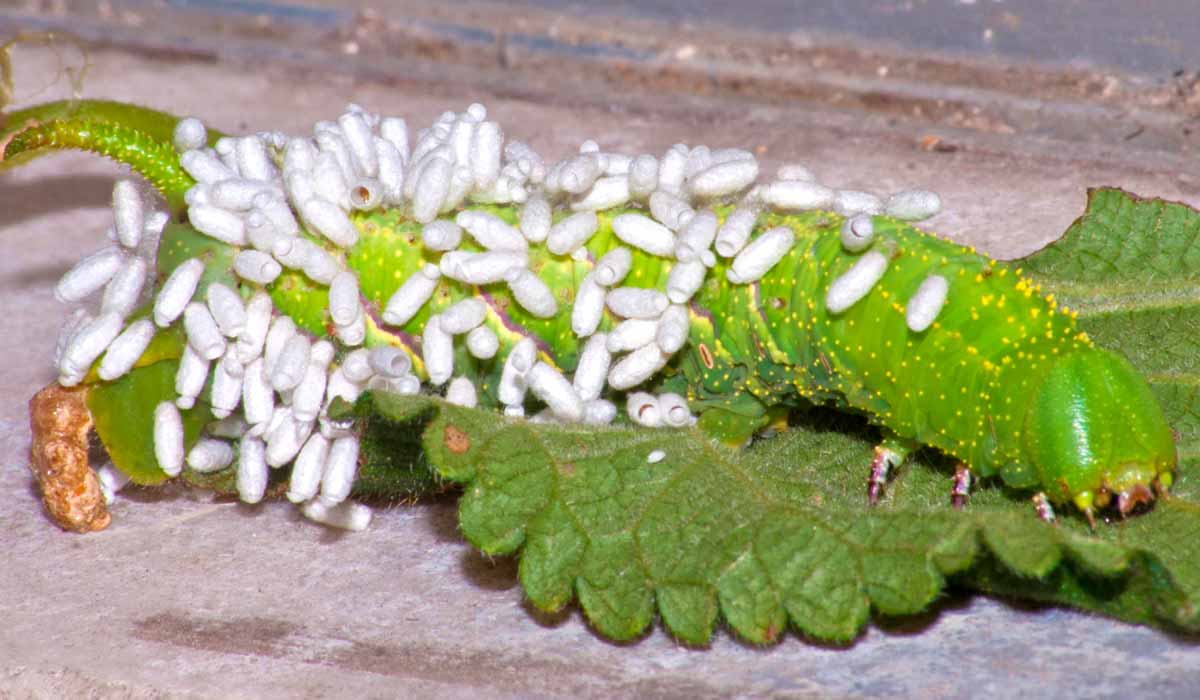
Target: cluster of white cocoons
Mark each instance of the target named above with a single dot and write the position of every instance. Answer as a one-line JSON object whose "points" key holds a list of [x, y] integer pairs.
{"points": [[270, 383]]}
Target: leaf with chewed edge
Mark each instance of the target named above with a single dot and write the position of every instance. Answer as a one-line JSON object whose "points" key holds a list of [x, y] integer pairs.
{"points": [[767, 538]]}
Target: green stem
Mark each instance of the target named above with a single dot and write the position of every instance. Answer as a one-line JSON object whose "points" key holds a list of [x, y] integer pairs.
{"points": [[137, 136]]}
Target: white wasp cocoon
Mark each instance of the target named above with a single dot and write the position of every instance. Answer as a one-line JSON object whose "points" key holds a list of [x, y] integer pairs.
{"points": [[347, 515], [308, 469], [485, 154], [124, 290], [852, 202], [724, 178], [461, 391], [514, 411], [339, 387], [636, 302], [332, 146], [202, 331], [535, 220], [643, 176], [698, 160], [357, 366], [572, 233], [672, 332], [237, 194], [795, 171], [636, 367], [75, 321], [613, 266], [281, 330], [856, 283], [411, 296], [913, 205], [674, 410], [226, 389], [463, 315], [697, 236], [407, 385], [684, 280], [735, 232], [168, 438], [482, 343], [797, 195], [89, 275], [481, 268], [532, 294], [86, 345], [177, 291], [673, 212], [258, 397], [123, 352], [588, 308], [926, 303], [309, 394], [385, 360], [340, 470], [252, 469], [437, 350], [291, 363], [391, 171], [395, 131], [192, 373], [549, 385], [511, 390], [606, 193], [286, 439], [344, 304], [491, 232], [656, 456], [361, 142], [579, 173], [328, 219], [111, 481], [204, 166], [226, 308], [441, 235], [299, 155], [189, 134], [592, 371], [232, 427], [366, 194], [209, 455], [278, 213], [643, 409], [632, 334], [256, 266], [645, 234], [761, 255], [129, 213], [857, 233], [225, 226], [432, 186], [319, 266], [252, 159], [527, 159], [599, 412], [301, 185], [672, 168]]}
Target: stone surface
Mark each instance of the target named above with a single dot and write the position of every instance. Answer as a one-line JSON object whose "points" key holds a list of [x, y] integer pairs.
{"points": [[186, 597]]}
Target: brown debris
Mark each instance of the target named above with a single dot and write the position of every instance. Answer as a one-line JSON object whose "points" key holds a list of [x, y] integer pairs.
{"points": [[60, 421]]}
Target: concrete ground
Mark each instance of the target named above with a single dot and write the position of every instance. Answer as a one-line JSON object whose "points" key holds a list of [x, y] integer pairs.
{"points": [[186, 597]]}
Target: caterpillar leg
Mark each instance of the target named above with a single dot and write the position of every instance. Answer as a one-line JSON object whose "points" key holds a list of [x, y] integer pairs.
{"points": [[961, 493], [1041, 504], [889, 455]]}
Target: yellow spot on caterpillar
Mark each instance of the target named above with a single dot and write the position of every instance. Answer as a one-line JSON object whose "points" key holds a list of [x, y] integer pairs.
{"points": [[987, 299], [1035, 312]]}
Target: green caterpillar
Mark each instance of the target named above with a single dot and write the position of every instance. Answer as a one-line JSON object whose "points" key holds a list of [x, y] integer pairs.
{"points": [[813, 296]]}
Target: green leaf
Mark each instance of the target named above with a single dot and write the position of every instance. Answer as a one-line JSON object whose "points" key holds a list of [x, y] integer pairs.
{"points": [[770, 537]]}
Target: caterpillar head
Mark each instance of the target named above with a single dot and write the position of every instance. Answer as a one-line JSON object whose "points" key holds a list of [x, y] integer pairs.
{"points": [[1095, 432]]}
